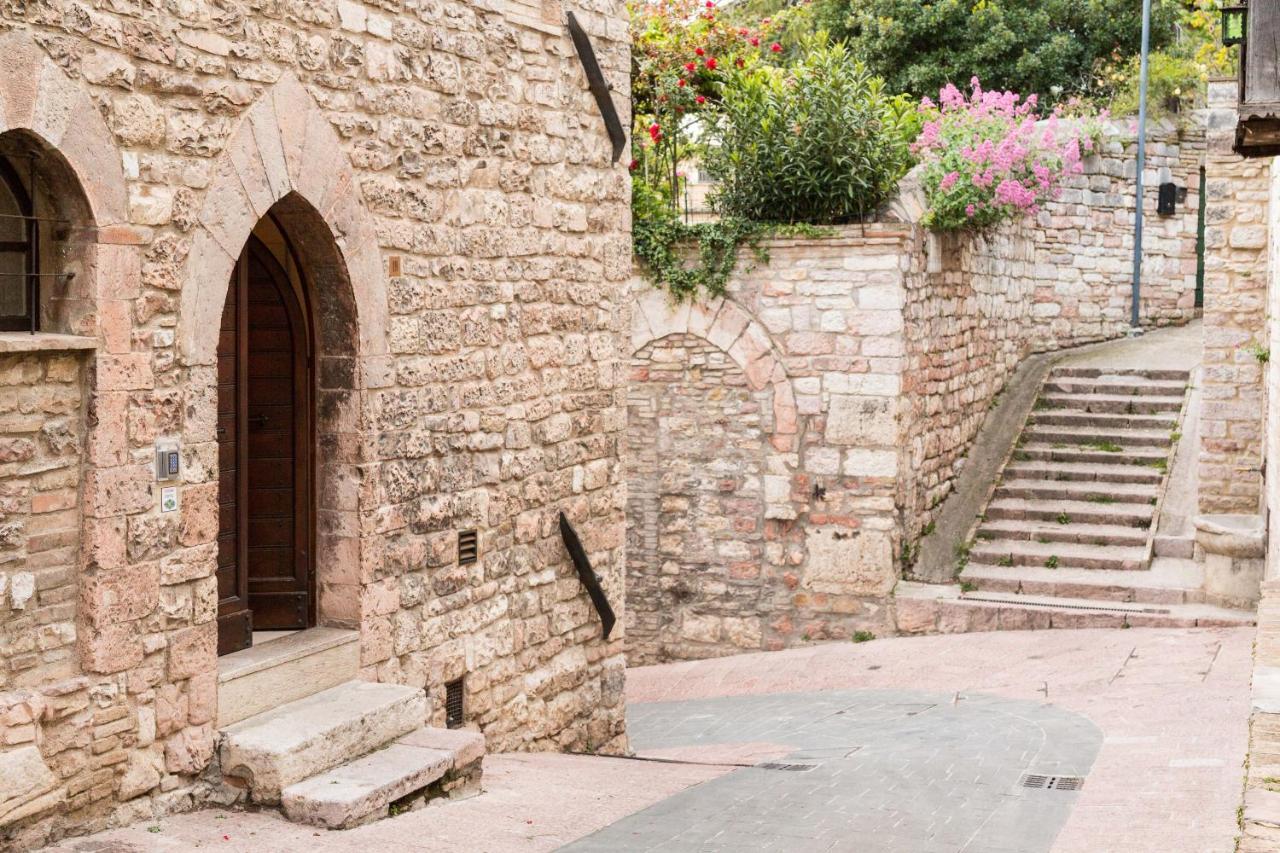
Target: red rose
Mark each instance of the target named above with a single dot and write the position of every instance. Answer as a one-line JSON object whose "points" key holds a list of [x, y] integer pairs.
{"points": [[755, 42], [711, 64], [701, 99], [690, 67], [633, 165], [655, 131], [699, 51], [680, 83], [739, 62], [775, 47]]}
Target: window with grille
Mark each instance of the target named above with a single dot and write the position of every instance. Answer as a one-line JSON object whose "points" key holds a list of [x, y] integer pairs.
{"points": [[453, 711], [19, 250], [468, 547]]}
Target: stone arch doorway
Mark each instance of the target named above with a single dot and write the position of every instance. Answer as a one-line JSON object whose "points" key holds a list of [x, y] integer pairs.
{"points": [[266, 443]]}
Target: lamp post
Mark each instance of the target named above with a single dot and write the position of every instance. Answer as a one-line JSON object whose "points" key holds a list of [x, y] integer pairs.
{"points": [[1134, 327]]}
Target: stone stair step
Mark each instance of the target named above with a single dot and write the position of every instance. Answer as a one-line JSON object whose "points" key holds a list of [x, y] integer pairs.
{"points": [[1134, 387], [1103, 420], [1097, 437], [1113, 403], [1052, 531], [1075, 490], [1051, 555], [1083, 472], [273, 750], [1083, 512], [365, 789], [1075, 453], [263, 676], [1160, 584], [924, 608], [1140, 372]]}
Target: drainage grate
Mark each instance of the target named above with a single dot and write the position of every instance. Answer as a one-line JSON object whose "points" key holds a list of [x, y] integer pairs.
{"points": [[777, 765], [453, 704], [1052, 783], [468, 547], [1054, 605]]}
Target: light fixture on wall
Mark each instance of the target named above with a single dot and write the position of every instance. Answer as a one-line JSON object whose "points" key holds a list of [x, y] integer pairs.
{"points": [[1234, 19]]}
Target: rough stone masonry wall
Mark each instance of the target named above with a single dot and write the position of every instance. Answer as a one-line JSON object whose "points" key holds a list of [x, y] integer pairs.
{"points": [[1084, 239], [967, 324], [892, 345], [41, 436], [449, 177], [1235, 335]]}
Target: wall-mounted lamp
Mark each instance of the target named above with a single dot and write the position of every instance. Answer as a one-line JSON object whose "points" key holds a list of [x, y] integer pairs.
{"points": [[1233, 24], [1167, 201]]}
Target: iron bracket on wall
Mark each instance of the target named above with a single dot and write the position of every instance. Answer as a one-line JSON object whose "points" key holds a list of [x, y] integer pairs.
{"points": [[587, 575], [598, 85]]}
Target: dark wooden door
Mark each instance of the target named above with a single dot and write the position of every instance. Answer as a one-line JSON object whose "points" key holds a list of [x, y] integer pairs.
{"points": [[264, 442]]}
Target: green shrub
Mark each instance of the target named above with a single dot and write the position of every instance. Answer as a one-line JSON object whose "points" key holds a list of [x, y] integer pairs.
{"points": [[820, 141]]}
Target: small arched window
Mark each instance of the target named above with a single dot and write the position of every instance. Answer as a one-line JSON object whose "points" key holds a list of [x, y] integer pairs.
{"points": [[19, 247]]}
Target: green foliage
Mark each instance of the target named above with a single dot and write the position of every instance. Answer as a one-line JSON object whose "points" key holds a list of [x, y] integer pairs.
{"points": [[1172, 81], [863, 636], [820, 141], [688, 260], [1046, 46], [1052, 562]]}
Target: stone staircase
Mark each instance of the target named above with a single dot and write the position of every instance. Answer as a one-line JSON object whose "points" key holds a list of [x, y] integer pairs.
{"points": [[1068, 533], [346, 754]]}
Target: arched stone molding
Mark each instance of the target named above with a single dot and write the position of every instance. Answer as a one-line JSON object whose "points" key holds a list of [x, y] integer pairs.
{"points": [[284, 145], [727, 325], [39, 97]]}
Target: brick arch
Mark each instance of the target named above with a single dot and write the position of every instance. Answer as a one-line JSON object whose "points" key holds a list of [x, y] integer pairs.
{"points": [[37, 96], [728, 326], [283, 146]]}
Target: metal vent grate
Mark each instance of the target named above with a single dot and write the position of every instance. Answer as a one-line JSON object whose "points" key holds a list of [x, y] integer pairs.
{"points": [[453, 704], [1052, 783], [468, 547], [776, 765]]}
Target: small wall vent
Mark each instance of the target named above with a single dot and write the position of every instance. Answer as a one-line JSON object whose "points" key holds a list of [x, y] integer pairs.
{"points": [[468, 547], [453, 710]]}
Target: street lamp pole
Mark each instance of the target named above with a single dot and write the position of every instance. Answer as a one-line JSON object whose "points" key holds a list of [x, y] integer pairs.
{"points": [[1134, 327]]}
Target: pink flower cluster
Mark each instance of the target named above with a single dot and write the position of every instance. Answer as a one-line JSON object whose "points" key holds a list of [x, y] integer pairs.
{"points": [[987, 156]]}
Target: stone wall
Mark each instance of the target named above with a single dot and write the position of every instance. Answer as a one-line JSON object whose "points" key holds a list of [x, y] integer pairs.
{"points": [[443, 173], [1235, 337], [870, 360], [41, 437]]}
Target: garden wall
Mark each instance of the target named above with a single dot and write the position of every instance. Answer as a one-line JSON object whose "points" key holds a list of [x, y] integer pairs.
{"points": [[789, 443]]}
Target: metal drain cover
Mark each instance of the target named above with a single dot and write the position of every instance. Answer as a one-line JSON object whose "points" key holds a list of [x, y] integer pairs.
{"points": [[778, 765], [1046, 782]]}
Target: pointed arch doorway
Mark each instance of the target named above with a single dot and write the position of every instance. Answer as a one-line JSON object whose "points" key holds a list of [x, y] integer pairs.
{"points": [[266, 444]]}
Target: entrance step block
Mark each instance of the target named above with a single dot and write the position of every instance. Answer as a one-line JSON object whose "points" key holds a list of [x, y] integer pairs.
{"points": [[273, 750], [399, 776], [284, 670]]}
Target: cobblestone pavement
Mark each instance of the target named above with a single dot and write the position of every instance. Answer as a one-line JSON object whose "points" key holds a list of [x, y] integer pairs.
{"points": [[886, 770], [1155, 719]]}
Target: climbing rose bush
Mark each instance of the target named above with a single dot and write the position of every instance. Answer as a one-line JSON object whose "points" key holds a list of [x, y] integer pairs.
{"points": [[988, 157]]}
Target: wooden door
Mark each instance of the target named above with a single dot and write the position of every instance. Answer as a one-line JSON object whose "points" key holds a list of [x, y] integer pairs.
{"points": [[264, 442]]}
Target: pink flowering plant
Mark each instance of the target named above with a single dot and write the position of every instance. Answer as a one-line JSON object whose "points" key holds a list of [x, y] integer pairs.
{"points": [[988, 157]]}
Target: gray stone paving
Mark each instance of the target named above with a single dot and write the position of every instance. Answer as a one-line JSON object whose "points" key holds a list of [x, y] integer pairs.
{"points": [[894, 770]]}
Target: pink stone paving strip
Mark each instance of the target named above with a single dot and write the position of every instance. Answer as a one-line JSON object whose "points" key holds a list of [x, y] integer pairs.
{"points": [[531, 802], [1172, 704]]}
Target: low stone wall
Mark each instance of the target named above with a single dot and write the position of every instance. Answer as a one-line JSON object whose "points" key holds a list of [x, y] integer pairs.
{"points": [[789, 443]]}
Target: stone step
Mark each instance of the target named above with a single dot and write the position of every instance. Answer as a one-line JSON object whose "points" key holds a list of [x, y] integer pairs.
{"points": [[1051, 555], [273, 750], [1128, 387], [1078, 512], [1074, 453], [1052, 531], [1103, 420], [1166, 582], [1074, 490], [1082, 472], [1122, 372], [364, 790], [259, 678], [946, 610], [1096, 438], [1113, 403]]}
